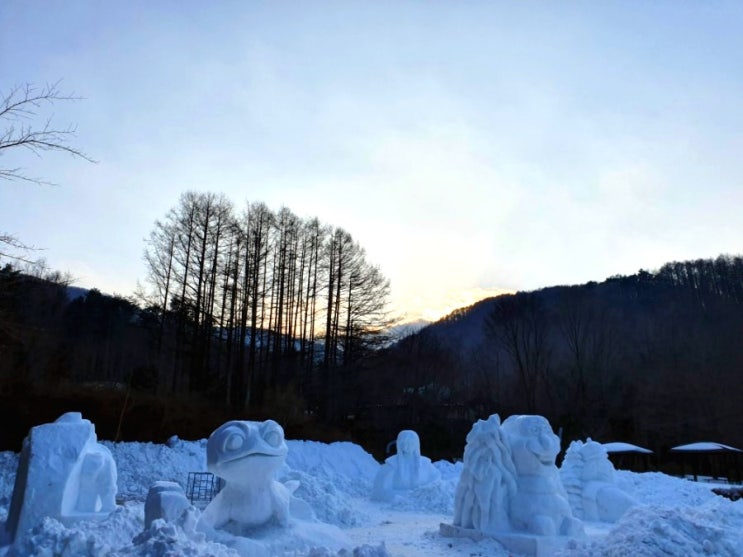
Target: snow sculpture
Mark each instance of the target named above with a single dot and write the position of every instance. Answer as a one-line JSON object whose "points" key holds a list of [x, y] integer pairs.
{"points": [[404, 471], [164, 500], [64, 473], [253, 513], [247, 455], [510, 487], [588, 476]]}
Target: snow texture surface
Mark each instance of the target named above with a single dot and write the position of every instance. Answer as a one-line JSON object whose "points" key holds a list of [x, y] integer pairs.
{"points": [[674, 517]]}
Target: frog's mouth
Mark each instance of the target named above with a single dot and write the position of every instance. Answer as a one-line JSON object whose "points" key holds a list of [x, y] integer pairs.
{"points": [[252, 455]]}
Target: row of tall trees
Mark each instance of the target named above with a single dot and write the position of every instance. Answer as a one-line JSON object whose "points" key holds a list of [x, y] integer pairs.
{"points": [[249, 299]]}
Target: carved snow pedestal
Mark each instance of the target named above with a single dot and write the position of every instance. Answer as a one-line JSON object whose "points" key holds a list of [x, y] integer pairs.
{"points": [[63, 473], [510, 488], [254, 513], [588, 477], [404, 471]]}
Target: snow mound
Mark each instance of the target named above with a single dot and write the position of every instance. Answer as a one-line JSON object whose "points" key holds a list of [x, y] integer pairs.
{"points": [[142, 464], [449, 470], [8, 466], [85, 538], [330, 505], [346, 465], [166, 539], [435, 498], [653, 488], [712, 529]]}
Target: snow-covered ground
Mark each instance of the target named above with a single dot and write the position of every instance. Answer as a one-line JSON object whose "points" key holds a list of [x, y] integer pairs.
{"points": [[676, 517]]}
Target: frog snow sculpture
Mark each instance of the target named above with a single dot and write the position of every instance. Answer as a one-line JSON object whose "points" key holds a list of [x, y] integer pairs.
{"points": [[404, 471], [588, 476], [510, 487], [246, 455]]}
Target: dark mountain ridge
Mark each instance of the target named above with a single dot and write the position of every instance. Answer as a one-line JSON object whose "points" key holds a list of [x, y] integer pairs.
{"points": [[654, 358]]}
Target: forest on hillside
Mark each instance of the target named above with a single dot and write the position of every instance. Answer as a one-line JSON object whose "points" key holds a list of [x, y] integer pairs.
{"points": [[653, 358]]}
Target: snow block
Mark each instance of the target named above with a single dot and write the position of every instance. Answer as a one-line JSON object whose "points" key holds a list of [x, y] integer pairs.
{"points": [[164, 500], [64, 473]]}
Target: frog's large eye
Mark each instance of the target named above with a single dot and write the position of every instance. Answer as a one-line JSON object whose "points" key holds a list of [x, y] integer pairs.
{"points": [[273, 437], [233, 440]]}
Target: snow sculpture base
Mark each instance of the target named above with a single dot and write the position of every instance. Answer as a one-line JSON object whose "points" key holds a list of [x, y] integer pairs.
{"points": [[62, 473], [523, 544], [404, 471]]}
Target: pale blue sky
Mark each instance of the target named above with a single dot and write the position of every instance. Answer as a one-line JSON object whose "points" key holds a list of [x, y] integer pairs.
{"points": [[468, 146]]}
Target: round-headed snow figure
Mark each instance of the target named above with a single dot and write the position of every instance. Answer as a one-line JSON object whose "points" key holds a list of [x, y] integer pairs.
{"points": [[404, 471], [246, 455]]}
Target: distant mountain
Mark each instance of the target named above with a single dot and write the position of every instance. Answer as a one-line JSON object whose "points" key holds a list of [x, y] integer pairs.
{"points": [[75, 292], [404, 329], [654, 357]]}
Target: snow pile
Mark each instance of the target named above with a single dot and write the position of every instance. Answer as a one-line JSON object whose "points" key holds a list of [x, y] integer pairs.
{"points": [[436, 497], [346, 465], [654, 488], [142, 464], [165, 539], [329, 504], [649, 531], [8, 465], [675, 517], [330, 475], [85, 538]]}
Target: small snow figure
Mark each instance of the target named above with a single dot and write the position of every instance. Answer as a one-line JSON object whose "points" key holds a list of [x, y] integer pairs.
{"points": [[247, 455], [404, 471]]}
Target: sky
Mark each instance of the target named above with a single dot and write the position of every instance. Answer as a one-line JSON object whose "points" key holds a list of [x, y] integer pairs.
{"points": [[471, 148]]}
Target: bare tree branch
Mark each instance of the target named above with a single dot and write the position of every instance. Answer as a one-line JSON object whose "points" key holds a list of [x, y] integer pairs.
{"points": [[18, 108]]}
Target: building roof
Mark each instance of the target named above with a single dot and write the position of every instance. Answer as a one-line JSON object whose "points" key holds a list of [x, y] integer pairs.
{"points": [[705, 446], [620, 447]]}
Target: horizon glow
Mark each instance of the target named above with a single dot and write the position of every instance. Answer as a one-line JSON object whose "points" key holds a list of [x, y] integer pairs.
{"points": [[470, 149]]}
